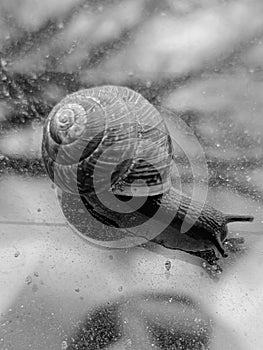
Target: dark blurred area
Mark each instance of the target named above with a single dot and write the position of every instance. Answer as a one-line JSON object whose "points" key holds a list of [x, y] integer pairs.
{"points": [[145, 322]]}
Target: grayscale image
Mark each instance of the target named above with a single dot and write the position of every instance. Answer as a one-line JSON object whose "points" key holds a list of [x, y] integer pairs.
{"points": [[131, 175]]}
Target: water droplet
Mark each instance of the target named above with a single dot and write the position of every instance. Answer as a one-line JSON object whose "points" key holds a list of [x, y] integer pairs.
{"points": [[64, 345], [60, 25], [148, 84], [28, 280], [168, 265], [6, 93], [3, 62], [17, 253]]}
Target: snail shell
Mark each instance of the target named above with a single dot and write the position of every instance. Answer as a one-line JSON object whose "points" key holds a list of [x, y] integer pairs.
{"points": [[94, 129]]}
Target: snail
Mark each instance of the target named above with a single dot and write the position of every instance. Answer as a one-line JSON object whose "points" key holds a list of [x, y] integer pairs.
{"points": [[110, 147]]}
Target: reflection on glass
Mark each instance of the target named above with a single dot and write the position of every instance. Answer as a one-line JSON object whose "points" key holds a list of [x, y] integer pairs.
{"points": [[201, 59]]}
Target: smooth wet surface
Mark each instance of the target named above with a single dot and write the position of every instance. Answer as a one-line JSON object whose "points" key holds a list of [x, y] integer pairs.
{"points": [[205, 62]]}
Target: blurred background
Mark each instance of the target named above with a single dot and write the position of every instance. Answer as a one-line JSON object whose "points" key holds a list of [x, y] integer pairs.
{"points": [[202, 59]]}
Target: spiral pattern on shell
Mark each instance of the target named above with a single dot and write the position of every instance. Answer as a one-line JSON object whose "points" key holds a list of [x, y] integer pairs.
{"points": [[107, 138]]}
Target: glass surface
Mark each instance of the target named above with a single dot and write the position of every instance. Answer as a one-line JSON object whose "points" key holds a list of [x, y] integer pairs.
{"points": [[201, 60]]}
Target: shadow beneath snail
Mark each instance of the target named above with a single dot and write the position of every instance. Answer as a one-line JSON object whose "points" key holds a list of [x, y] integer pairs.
{"points": [[102, 232]]}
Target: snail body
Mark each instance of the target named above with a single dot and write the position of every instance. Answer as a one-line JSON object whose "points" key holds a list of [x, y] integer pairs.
{"points": [[109, 142]]}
